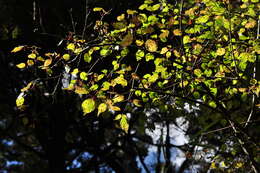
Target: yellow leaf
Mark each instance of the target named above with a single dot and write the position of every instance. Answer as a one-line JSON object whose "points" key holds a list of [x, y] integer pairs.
{"points": [[21, 65], [66, 57], [239, 165], [213, 165], [27, 87], [220, 51], [139, 42], [118, 117], [250, 24], [19, 101], [88, 105], [177, 32], [39, 58], [151, 45], [17, 49], [121, 17], [137, 103], [127, 40], [75, 71], [47, 62], [115, 108], [118, 98], [102, 108], [131, 12], [71, 46], [98, 9], [164, 50], [80, 90], [30, 62], [124, 123], [32, 56]]}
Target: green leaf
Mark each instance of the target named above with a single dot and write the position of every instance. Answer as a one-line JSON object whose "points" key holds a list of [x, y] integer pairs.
{"points": [[88, 106], [214, 91], [198, 72], [212, 104], [139, 55], [186, 39], [202, 19], [156, 7], [83, 76], [106, 85], [149, 57], [87, 57]]}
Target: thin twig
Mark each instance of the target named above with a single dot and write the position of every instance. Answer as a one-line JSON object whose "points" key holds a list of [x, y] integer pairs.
{"points": [[254, 77]]}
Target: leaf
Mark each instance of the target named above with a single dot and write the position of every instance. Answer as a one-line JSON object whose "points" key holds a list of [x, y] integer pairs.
{"points": [[80, 90], [66, 57], [120, 80], [186, 39], [102, 108], [104, 52], [139, 55], [127, 40], [177, 32], [220, 51], [250, 24], [212, 104], [149, 57], [139, 42], [98, 9], [71, 47], [156, 7], [17, 49], [47, 62], [83, 76], [21, 65], [151, 45], [29, 85], [32, 56], [198, 72], [202, 19], [19, 101], [106, 85], [88, 105], [124, 123], [118, 98], [118, 117], [87, 57], [115, 108], [121, 17], [137, 103]]}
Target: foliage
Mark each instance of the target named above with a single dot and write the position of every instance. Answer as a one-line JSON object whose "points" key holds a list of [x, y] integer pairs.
{"points": [[163, 56]]}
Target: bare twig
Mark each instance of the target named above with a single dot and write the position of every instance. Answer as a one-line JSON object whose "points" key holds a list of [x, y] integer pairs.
{"points": [[254, 76]]}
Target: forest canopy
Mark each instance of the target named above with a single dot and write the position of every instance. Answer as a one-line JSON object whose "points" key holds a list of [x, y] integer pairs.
{"points": [[111, 91]]}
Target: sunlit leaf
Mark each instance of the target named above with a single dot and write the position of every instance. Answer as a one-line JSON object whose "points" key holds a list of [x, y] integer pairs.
{"points": [[118, 98], [47, 62], [151, 45], [19, 101], [21, 65], [127, 40], [88, 105], [220, 51], [102, 108], [66, 57], [32, 56], [17, 49], [83, 76]]}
